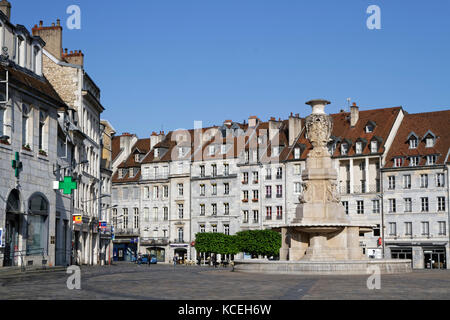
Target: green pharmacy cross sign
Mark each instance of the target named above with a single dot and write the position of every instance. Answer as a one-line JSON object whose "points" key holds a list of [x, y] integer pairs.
{"points": [[16, 164], [68, 185]]}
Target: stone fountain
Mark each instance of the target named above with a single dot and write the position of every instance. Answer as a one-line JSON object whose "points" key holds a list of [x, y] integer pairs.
{"points": [[321, 239]]}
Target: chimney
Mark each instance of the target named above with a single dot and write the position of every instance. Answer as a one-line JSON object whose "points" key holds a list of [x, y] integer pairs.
{"points": [[274, 127], [76, 58], [156, 138], [354, 114], [5, 7], [228, 122], [52, 36], [253, 121], [295, 127]]}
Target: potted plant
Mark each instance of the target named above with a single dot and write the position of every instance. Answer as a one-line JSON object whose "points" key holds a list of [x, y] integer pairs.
{"points": [[42, 152], [26, 147]]}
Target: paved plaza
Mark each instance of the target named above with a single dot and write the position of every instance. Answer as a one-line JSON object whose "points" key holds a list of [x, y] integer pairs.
{"points": [[162, 282]]}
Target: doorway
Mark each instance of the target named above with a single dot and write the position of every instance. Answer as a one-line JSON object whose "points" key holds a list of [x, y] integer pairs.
{"points": [[181, 254], [11, 240], [435, 258]]}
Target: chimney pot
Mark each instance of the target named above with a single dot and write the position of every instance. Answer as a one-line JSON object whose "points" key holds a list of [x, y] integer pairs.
{"points": [[58, 22], [41, 23], [53, 24]]}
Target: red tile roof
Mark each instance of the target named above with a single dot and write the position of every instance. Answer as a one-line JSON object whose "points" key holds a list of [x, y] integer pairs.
{"points": [[420, 123]]}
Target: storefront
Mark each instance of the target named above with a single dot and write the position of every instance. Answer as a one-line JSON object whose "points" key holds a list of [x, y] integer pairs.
{"points": [[124, 250], [422, 255], [160, 253]]}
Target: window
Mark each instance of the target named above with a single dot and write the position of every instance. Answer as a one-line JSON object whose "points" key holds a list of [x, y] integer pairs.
{"points": [[26, 126], [125, 218], [431, 160], [407, 181], [360, 207], [424, 180], [202, 228], [425, 228], [245, 216], [414, 161], [226, 187], [245, 192], [146, 192], [125, 193], [245, 177], [202, 190], [408, 228], [137, 157], [214, 189], [392, 206], [255, 155], [268, 174], [413, 143], [297, 153], [255, 216], [166, 191], [268, 213], [223, 149], [226, 229], [226, 170], [226, 207], [155, 192], [180, 189], [441, 204], [202, 209], [374, 146], [425, 206], [408, 205], [37, 225], [214, 170], [440, 180], [442, 228], [255, 177], [202, 171], [297, 187], [344, 149], [369, 128], [114, 218], [42, 129], [255, 195], [345, 204], [180, 235], [155, 214], [392, 228], [397, 162], [358, 148], [180, 211], [247, 156], [146, 215], [214, 228], [375, 206], [268, 192], [279, 173], [279, 191], [2, 116], [212, 150], [156, 153], [429, 142], [166, 213], [275, 151], [391, 181], [136, 218], [214, 209], [279, 213], [297, 169]]}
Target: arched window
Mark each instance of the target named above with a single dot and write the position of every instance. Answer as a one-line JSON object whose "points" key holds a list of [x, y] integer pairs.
{"points": [[13, 202], [37, 225], [26, 123]]}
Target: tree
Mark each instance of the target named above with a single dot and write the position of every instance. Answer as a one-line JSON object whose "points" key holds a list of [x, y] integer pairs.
{"points": [[259, 242], [218, 243]]}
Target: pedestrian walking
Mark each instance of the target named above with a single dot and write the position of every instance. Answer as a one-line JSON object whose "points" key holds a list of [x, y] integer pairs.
{"points": [[175, 259]]}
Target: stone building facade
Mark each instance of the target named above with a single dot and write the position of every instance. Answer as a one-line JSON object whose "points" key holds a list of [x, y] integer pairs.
{"points": [[34, 219]]}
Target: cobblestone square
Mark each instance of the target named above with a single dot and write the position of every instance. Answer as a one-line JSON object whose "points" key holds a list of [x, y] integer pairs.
{"points": [[164, 282]]}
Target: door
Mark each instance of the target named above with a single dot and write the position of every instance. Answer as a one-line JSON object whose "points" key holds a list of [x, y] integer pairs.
{"points": [[11, 240]]}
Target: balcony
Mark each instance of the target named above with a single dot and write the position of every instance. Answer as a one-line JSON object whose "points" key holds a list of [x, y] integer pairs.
{"points": [[279, 176], [127, 232], [268, 196], [268, 177], [244, 200], [279, 196], [154, 241], [255, 200], [255, 181], [255, 221], [244, 181], [268, 218], [279, 217]]}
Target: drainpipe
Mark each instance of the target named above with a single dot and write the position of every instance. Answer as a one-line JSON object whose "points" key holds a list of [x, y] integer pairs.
{"points": [[448, 212], [382, 210]]}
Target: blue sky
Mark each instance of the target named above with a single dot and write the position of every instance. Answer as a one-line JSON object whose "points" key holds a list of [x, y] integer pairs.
{"points": [[165, 63]]}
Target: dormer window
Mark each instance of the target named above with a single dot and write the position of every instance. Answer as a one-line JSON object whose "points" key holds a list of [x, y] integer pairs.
{"points": [[358, 148], [374, 146], [276, 151], [212, 150], [297, 153], [137, 157], [429, 142], [397, 162], [414, 161], [180, 152], [223, 149], [344, 149], [431, 160], [413, 143], [156, 153], [369, 128], [131, 172]]}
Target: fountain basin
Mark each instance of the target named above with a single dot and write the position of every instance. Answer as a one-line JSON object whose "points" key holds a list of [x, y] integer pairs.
{"points": [[353, 267]]}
